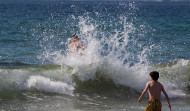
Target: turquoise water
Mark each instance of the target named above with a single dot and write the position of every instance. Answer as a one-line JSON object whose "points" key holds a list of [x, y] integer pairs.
{"points": [[125, 41]]}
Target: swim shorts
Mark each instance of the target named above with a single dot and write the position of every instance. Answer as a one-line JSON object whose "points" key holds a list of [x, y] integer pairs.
{"points": [[154, 105]]}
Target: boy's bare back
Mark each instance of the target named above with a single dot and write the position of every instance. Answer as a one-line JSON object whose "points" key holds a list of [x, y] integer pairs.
{"points": [[155, 89]]}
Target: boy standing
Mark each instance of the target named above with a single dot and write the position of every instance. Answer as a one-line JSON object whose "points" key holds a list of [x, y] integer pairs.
{"points": [[155, 88]]}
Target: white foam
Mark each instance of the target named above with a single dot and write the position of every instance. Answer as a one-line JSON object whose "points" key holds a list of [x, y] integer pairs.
{"points": [[46, 84]]}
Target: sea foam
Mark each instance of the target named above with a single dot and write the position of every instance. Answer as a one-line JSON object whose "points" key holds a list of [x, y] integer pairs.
{"points": [[48, 85]]}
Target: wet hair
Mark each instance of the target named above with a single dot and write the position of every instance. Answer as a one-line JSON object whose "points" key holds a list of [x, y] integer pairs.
{"points": [[154, 75], [74, 36]]}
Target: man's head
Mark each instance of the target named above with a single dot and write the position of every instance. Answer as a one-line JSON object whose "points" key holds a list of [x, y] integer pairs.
{"points": [[154, 75], [74, 37]]}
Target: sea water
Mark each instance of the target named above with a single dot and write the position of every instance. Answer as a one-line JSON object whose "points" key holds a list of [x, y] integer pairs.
{"points": [[124, 42]]}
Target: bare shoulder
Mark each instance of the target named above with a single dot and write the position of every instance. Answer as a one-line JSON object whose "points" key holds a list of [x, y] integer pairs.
{"points": [[160, 85], [148, 83]]}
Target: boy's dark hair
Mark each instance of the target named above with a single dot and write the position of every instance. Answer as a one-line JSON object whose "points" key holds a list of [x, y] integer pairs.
{"points": [[154, 75]]}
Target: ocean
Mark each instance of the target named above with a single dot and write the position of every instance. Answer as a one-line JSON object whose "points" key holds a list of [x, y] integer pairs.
{"points": [[124, 42]]}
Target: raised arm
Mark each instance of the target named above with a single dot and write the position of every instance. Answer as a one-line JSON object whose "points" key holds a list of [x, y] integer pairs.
{"points": [[163, 90], [144, 91]]}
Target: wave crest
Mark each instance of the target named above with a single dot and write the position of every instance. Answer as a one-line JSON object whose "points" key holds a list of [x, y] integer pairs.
{"points": [[46, 84]]}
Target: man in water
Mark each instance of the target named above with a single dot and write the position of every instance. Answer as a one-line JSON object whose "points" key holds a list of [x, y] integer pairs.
{"points": [[155, 88], [75, 46]]}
